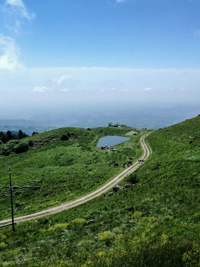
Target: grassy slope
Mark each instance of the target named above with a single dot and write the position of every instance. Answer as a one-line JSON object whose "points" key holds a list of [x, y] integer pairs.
{"points": [[156, 223], [57, 167]]}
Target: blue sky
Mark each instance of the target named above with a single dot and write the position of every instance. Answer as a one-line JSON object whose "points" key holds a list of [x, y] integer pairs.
{"points": [[57, 52], [106, 33]]}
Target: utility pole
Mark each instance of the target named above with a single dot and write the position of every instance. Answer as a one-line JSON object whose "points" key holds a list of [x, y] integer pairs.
{"points": [[11, 200]]}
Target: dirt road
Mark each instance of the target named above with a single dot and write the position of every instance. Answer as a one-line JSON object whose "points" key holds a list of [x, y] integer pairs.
{"points": [[94, 194]]}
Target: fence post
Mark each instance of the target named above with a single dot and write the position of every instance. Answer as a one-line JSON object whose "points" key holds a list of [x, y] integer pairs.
{"points": [[11, 200]]}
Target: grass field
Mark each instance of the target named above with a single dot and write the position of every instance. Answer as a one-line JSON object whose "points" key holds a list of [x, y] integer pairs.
{"points": [[155, 223], [54, 171]]}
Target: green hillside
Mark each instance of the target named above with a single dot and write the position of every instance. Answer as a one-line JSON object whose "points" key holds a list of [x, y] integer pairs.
{"points": [[155, 223], [53, 171]]}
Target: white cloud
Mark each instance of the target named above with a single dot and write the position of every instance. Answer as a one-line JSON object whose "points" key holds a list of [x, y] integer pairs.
{"points": [[153, 85], [65, 90], [120, 89], [147, 89], [18, 7], [15, 12], [41, 89], [9, 54], [63, 78]]}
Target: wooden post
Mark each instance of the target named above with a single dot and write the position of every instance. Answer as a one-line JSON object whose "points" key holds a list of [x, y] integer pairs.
{"points": [[11, 200]]}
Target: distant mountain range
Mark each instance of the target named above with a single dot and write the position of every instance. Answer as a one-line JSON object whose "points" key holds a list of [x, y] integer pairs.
{"points": [[14, 127], [139, 116]]}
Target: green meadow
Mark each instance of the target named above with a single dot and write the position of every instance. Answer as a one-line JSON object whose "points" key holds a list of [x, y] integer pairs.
{"points": [[154, 223], [53, 171]]}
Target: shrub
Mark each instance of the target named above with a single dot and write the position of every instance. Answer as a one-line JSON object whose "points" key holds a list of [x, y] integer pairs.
{"points": [[64, 137], [79, 221], [30, 143], [107, 237], [192, 257], [12, 143], [6, 151], [21, 148], [2, 245], [2, 237], [132, 178]]}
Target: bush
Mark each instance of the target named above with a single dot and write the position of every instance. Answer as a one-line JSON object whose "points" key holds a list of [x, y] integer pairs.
{"points": [[6, 151], [30, 143], [132, 178], [192, 257], [10, 147], [21, 148], [64, 137], [107, 237], [12, 143], [3, 245], [78, 221]]}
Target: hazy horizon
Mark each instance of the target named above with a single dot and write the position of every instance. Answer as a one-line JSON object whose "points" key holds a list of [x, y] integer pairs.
{"points": [[139, 116], [61, 59]]}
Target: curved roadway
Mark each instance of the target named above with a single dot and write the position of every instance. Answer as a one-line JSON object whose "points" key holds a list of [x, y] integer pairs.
{"points": [[146, 152]]}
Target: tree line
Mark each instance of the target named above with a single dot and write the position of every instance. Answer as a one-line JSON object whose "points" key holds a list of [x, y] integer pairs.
{"points": [[7, 136]]}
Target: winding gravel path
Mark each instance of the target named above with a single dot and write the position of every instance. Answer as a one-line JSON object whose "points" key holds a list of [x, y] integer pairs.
{"points": [[146, 152]]}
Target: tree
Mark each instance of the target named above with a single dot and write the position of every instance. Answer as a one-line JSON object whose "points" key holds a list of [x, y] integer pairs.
{"points": [[9, 136], [21, 134], [3, 137]]}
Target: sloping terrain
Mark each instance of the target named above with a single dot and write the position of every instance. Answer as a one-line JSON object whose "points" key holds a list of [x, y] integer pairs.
{"points": [[99, 191], [154, 223], [59, 166]]}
